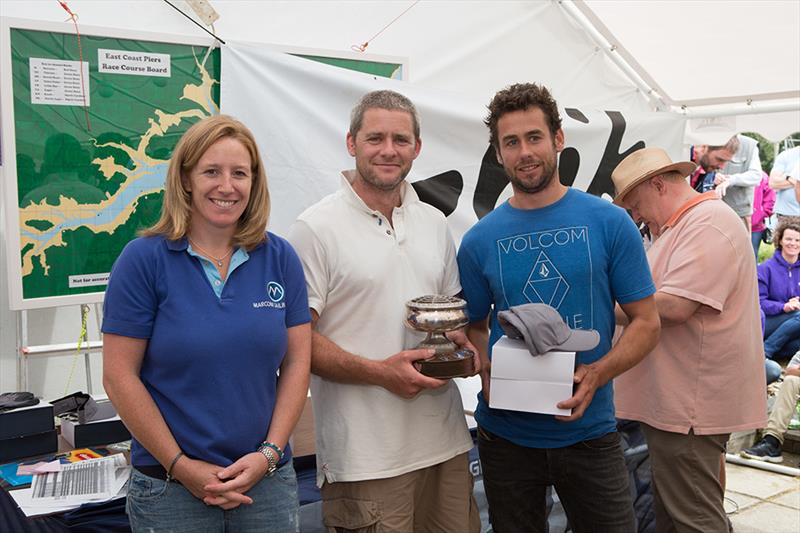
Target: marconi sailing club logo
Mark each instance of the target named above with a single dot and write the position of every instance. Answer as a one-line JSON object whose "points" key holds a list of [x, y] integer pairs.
{"points": [[275, 296]]}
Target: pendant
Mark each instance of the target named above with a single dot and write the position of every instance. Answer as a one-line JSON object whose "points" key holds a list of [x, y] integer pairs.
{"points": [[219, 262]]}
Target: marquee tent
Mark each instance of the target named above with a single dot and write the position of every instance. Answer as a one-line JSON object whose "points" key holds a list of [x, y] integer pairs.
{"points": [[693, 56], [697, 58]]}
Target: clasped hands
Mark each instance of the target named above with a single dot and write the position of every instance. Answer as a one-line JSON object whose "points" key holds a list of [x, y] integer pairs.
{"points": [[223, 487], [792, 305]]}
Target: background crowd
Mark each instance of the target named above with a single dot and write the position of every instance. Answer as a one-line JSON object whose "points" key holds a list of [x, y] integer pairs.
{"points": [[767, 200]]}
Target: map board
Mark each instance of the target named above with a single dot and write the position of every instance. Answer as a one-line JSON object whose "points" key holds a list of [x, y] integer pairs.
{"points": [[86, 147], [86, 144]]}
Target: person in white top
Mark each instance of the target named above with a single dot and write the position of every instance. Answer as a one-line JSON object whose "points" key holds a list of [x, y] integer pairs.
{"points": [[391, 443], [784, 177]]}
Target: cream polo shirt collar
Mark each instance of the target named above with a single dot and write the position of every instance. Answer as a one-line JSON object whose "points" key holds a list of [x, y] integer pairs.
{"points": [[397, 228], [408, 195]]}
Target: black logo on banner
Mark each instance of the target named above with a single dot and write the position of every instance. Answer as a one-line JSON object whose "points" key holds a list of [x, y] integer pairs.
{"points": [[443, 190]]}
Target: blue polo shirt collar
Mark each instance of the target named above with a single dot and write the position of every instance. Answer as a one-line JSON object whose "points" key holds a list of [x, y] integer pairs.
{"points": [[178, 245]]}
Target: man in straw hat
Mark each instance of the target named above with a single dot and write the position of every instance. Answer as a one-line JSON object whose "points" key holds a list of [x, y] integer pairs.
{"points": [[705, 378], [577, 253]]}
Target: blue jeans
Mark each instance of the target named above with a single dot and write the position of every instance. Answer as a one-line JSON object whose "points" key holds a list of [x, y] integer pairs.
{"points": [[755, 238], [782, 335], [153, 505], [773, 371], [590, 477]]}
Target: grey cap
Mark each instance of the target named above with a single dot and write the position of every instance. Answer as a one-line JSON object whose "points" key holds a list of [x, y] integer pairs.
{"points": [[543, 330]]}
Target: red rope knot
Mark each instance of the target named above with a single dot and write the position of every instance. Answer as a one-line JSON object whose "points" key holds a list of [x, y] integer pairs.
{"points": [[362, 47], [72, 16]]}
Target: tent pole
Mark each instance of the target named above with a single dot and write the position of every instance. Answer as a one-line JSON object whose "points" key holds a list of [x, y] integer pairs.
{"points": [[751, 109], [611, 50]]}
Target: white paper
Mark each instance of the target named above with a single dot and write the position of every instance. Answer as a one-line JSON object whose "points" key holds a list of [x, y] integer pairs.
{"points": [[59, 82], [94, 480], [90, 480], [31, 507], [523, 382], [134, 63]]}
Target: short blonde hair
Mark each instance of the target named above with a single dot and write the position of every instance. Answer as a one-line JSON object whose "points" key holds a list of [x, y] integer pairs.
{"points": [[176, 211]]}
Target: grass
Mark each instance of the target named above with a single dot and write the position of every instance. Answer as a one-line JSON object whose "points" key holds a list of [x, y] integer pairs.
{"points": [[765, 251]]}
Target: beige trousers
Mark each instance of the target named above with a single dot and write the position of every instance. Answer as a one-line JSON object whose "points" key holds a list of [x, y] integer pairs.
{"points": [[687, 491], [434, 499], [783, 409]]}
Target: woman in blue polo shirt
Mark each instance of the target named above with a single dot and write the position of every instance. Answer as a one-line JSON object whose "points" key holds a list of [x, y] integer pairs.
{"points": [[200, 314]]}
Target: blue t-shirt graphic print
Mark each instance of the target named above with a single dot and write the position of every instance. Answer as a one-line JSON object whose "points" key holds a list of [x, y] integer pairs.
{"points": [[580, 255], [530, 273]]}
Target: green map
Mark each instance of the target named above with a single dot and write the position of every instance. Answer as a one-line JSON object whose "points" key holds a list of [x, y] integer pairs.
{"points": [[378, 68], [84, 190]]}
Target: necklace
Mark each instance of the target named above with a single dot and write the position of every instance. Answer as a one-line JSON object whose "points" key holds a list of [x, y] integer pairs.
{"points": [[219, 260]]}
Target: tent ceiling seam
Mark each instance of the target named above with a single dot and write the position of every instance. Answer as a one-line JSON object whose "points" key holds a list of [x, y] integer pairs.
{"points": [[618, 49], [741, 99]]}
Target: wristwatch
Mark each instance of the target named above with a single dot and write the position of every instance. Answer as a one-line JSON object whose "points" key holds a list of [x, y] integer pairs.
{"points": [[272, 460], [273, 453]]}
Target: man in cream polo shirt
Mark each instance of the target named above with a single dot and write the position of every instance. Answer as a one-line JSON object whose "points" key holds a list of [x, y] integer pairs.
{"points": [[391, 443], [705, 377]]}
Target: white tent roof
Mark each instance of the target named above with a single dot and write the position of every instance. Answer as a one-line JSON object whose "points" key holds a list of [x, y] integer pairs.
{"points": [[714, 58], [710, 52], [740, 48], [680, 52]]}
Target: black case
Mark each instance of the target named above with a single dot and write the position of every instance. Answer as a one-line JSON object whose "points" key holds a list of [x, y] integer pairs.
{"points": [[26, 421], [27, 446], [94, 433]]}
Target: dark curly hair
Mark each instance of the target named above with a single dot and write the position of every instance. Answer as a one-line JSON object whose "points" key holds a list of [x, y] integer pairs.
{"points": [[776, 239], [519, 97]]}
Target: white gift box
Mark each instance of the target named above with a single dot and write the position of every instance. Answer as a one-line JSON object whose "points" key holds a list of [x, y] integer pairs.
{"points": [[534, 384]]}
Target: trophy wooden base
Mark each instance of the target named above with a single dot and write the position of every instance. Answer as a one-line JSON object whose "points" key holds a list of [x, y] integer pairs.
{"points": [[457, 364]]}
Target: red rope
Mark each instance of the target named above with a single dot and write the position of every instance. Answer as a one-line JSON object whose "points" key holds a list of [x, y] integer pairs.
{"points": [[362, 47], [74, 18]]}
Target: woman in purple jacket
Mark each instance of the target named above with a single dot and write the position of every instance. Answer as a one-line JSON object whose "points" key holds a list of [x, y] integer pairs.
{"points": [[779, 292]]}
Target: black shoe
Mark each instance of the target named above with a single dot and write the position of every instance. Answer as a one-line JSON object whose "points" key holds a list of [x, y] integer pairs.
{"points": [[764, 450]]}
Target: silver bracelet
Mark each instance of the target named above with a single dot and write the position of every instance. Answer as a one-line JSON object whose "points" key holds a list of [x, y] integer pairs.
{"points": [[272, 459], [172, 465]]}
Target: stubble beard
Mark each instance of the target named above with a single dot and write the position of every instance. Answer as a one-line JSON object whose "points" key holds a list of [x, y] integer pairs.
{"points": [[371, 179], [538, 184], [704, 162]]}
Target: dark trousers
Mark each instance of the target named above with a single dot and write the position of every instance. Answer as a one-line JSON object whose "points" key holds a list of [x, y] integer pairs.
{"points": [[590, 478]]}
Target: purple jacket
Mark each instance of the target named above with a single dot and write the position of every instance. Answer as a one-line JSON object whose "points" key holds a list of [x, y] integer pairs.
{"points": [[778, 282], [763, 202]]}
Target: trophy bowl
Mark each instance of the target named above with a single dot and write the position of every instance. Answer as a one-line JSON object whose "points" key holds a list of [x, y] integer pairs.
{"points": [[436, 315]]}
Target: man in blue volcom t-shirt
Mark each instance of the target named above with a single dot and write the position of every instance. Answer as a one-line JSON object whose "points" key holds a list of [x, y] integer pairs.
{"points": [[579, 254]]}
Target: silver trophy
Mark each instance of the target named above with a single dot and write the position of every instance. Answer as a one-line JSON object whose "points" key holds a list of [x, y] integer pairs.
{"points": [[436, 315]]}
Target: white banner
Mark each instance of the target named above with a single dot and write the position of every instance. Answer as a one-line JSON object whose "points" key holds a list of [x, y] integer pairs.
{"points": [[299, 111]]}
